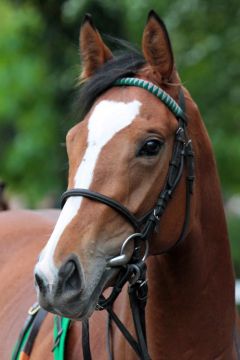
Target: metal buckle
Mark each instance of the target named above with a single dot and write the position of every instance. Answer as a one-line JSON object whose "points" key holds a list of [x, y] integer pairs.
{"points": [[179, 131], [34, 309], [155, 215], [135, 276], [99, 307]]}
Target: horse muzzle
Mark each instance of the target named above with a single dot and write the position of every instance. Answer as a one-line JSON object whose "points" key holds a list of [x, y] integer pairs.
{"points": [[70, 294], [66, 287]]}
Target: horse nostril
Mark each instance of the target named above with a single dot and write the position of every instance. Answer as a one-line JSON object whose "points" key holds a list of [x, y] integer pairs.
{"points": [[66, 270], [40, 283], [70, 276]]}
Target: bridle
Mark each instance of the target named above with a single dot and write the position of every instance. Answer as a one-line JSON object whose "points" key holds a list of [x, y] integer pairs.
{"points": [[133, 271]]}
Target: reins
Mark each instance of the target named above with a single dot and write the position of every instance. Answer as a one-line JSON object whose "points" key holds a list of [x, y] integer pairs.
{"points": [[134, 271]]}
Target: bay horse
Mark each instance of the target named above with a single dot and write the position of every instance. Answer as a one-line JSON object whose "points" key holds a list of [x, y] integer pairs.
{"points": [[120, 157]]}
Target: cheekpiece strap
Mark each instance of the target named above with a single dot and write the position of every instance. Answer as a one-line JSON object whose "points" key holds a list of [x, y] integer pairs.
{"points": [[155, 90]]}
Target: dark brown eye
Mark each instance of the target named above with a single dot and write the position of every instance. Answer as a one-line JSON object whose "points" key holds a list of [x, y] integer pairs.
{"points": [[150, 148]]}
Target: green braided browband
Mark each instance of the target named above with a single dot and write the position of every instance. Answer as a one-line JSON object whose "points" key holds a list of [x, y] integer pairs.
{"points": [[155, 90]]}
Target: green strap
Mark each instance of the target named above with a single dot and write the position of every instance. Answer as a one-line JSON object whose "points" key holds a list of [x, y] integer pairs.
{"points": [[155, 90], [20, 346], [25, 332], [60, 341]]}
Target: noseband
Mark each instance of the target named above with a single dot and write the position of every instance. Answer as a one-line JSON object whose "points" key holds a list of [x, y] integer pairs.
{"points": [[134, 270]]}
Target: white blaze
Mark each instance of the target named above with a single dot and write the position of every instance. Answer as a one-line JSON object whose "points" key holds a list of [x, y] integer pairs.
{"points": [[106, 120]]}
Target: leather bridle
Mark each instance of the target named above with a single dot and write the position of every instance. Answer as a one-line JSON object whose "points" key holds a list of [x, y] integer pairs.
{"points": [[133, 271]]}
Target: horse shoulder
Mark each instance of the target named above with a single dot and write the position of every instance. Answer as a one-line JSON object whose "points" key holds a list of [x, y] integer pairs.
{"points": [[22, 235]]}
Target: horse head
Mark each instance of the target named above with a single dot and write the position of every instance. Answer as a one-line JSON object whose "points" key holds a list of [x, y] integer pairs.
{"points": [[121, 150]]}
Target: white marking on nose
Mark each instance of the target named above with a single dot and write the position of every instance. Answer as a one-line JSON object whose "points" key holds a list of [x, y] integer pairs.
{"points": [[106, 120]]}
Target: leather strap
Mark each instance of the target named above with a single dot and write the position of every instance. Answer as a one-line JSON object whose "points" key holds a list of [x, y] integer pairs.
{"points": [[29, 333], [135, 274], [22, 335], [85, 340], [104, 200], [138, 300], [132, 342], [34, 331]]}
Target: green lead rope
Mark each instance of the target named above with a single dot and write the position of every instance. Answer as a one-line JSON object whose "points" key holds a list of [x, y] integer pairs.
{"points": [[60, 330], [20, 345], [30, 330]]}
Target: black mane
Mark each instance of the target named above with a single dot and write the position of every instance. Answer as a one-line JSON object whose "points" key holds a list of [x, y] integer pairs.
{"points": [[125, 64]]}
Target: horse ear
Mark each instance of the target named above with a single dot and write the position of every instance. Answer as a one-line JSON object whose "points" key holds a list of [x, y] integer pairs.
{"points": [[157, 48], [94, 52]]}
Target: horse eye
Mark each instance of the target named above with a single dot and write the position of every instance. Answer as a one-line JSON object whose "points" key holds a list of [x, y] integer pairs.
{"points": [[150, 148]]}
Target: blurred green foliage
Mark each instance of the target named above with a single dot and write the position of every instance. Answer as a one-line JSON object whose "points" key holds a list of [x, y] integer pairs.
{"points": [[39, 66], [30, 156]]}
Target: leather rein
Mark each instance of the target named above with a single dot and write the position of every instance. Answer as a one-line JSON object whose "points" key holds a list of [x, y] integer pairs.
{"points": [[133, 271]]}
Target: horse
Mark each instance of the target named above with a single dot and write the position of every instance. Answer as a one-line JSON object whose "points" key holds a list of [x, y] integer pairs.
{"points": [[122, 155]]}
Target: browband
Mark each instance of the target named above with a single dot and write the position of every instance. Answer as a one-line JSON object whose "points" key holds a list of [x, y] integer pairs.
{"points": [[155, 90]]}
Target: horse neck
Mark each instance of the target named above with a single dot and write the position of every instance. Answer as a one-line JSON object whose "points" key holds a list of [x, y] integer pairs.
{"points": [[191, 289]]}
